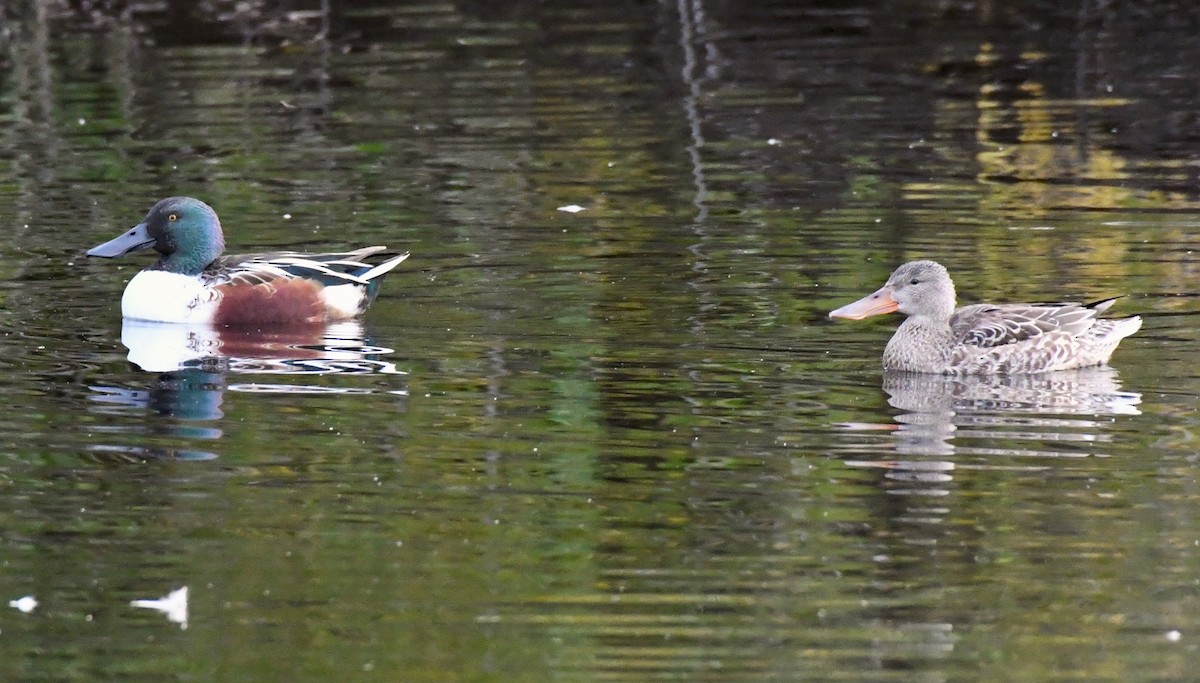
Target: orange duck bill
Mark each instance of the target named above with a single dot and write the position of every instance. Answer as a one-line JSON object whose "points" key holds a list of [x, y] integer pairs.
{"points": [[877, 303]]}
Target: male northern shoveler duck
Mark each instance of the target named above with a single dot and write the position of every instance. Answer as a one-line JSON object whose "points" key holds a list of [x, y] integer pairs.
{"points": [[193, 283], [985, 338]]}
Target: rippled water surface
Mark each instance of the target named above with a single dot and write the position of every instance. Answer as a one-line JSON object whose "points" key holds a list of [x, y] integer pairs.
{"points": [[616, 443]]}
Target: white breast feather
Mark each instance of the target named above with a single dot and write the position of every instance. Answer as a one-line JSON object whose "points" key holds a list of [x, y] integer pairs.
{"points": [[168, 297]]}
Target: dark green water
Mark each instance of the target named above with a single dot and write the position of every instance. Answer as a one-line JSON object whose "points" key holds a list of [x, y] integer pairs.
{"points": [[623, 443]]}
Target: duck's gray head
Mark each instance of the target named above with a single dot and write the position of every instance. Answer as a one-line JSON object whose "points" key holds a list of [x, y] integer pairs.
{"points": [[915, 288]]}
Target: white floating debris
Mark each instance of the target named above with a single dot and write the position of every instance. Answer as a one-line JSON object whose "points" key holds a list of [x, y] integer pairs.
{"points": [[1174, 636], [773, 141], [175, 606], [571, 208], [26, 604]]}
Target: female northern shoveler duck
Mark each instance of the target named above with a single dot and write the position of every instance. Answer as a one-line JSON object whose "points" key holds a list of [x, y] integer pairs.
{"points": [[192, 282], [985, 338]]}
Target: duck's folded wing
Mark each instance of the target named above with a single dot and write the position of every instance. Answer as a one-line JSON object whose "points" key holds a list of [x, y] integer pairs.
{"points": [[325, 257], [256, 269], [997, 325], [239, 270]]}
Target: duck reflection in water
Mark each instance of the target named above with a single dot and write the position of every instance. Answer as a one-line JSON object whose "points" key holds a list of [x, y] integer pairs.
{"points": [[1001, 415], [340, 347], [193, 363]]}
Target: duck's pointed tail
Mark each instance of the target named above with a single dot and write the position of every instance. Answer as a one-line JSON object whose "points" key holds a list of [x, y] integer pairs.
{"points": [[384, 268], [374, 277], [1124, 327]]}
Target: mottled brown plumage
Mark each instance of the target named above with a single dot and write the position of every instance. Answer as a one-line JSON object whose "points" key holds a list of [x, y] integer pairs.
{"points": [[985, 338]]}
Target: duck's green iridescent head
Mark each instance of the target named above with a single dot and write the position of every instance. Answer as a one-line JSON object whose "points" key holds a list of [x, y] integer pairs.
{"points": [[185, 231]]}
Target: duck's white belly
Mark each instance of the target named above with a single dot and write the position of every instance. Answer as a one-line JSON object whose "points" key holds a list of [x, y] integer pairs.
{"points": [[168, 297]]}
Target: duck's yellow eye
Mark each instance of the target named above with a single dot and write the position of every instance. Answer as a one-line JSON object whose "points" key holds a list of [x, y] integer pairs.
{"points": [[172, 216]]}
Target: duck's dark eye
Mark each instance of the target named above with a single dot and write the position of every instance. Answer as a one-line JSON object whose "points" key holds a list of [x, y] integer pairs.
{"points": [[913, 281], [174, 217]]}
